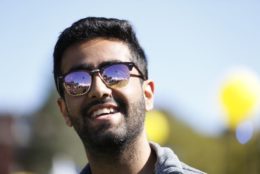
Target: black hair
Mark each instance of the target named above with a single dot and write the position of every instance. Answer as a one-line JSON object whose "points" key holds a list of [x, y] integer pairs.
{"points": [[98, 27]]}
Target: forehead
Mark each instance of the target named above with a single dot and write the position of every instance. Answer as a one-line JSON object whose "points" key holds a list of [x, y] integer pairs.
{"points": [[94, 52]]}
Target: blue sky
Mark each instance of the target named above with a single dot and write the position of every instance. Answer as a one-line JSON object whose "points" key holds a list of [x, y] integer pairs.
{"points": [[191, 45]]}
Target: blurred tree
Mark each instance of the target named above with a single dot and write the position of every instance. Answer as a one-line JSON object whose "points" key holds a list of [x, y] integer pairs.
{"points": [[50, 137]]}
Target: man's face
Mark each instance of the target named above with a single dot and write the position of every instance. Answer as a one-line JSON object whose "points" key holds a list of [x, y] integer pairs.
{"points": [[105, 117]]}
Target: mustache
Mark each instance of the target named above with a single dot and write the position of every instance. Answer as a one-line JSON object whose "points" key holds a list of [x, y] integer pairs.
{"points": [[101, 101]]}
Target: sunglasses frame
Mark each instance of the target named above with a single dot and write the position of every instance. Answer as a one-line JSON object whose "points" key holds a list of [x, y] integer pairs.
{"points": [[98, 70]]}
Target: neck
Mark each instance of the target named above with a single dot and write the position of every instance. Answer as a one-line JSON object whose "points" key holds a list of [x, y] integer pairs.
{"points": [[136, 157]]}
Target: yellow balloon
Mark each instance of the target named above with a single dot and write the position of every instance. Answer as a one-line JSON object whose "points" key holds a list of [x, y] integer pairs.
{"points": [[157, 127], [239, 96]]}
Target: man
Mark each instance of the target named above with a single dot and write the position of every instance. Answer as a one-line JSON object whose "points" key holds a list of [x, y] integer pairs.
{"points": [[100, 71]]}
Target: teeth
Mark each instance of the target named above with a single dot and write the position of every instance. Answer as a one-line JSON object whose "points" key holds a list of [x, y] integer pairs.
{"points": [[103, 111]]}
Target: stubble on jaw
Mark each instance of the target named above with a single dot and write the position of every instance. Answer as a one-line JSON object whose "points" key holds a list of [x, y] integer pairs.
{"points": [[103, 143]]}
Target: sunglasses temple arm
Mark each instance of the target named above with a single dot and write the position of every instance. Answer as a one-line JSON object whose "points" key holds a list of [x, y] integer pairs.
{"points": [[139, 76], [58, 85]]}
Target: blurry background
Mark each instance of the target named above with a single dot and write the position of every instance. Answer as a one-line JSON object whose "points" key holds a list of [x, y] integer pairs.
{"points": [[203, 56]]}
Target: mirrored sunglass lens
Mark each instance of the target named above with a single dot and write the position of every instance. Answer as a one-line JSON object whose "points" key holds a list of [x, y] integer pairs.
{"points": [[116, 75], [77, 83]]}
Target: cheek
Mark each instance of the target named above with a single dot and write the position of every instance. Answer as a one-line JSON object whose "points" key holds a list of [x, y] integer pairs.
{"points": [[131, 93], [135, 90], [73, 106]]}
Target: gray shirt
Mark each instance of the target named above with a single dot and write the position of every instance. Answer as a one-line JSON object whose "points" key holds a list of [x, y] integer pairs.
{"points": [[167, 163]]}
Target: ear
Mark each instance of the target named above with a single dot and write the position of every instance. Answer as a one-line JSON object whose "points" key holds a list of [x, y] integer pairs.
{"points": [[148, 88], [64, 111]]}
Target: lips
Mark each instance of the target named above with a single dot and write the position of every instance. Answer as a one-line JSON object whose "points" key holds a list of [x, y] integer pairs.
{"points": [[102, 109]]}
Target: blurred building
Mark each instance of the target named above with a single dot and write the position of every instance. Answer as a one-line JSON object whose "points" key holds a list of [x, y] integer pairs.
{"points": [[6, 143]]}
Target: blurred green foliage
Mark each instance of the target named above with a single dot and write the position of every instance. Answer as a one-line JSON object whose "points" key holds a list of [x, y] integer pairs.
{"points": [[223, 154]]}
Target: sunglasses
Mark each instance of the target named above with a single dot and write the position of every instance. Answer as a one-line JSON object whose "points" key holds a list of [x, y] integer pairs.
{"points": [[114, 75]]}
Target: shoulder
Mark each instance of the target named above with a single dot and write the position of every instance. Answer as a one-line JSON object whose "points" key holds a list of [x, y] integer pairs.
{"points": [[168, 162], [86, 170], [190, 170]]}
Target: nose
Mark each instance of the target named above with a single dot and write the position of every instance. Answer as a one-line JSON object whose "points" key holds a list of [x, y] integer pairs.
{"points": [[98, 87]]}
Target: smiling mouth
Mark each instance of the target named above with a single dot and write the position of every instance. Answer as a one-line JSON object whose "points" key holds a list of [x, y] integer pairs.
{"points": [[103, 111]]}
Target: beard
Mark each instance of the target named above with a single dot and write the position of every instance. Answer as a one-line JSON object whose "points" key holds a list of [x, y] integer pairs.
{"points": [[103, 140]]}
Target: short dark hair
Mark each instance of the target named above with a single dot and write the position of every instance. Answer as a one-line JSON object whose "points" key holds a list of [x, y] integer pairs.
{"points": [[98, 27]]}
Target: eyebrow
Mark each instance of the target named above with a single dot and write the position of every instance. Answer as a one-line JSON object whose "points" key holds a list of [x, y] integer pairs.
{"points": [[80, 67], [91, 67]]}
